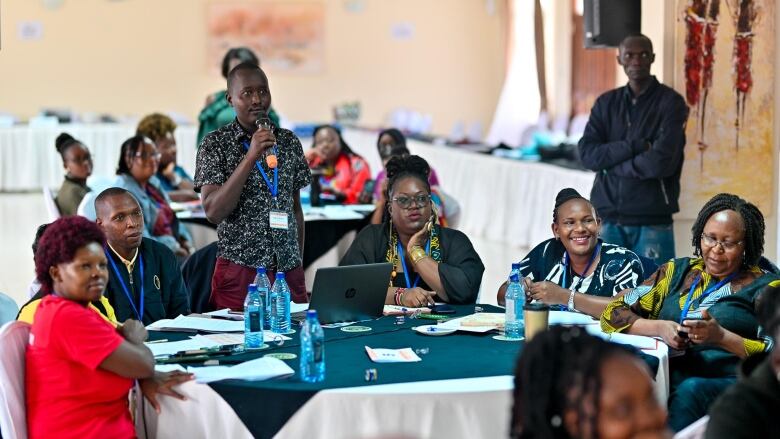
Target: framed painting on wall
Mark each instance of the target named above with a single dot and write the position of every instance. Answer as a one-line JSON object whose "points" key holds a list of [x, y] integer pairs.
{"points": [[287, 37], [724, 67]]}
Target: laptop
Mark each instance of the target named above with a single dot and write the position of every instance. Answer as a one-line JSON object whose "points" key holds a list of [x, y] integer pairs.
{"points": [[351, 293]]}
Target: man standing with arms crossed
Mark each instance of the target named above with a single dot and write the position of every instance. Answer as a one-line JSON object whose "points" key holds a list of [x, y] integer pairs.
{"points": [[634, 142], [257, 207]]}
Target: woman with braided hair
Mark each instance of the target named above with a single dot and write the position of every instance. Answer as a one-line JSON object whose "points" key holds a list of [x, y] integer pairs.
{"points": [[702, 307], [430, 262], [569, 384]]}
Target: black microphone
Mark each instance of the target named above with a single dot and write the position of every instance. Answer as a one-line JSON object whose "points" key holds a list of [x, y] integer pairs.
{"points": [[263, 122]]}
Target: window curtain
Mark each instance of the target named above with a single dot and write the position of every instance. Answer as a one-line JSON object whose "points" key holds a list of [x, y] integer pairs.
{"points": [[517, 112]]}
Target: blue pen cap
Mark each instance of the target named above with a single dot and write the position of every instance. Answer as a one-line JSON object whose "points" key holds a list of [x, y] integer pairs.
{"points": [[261, 270], [279, 275], [514, 278]]}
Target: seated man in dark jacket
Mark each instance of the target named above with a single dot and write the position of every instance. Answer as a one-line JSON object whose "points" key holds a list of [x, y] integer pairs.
{"points": [[144, 279], [634, 141]]}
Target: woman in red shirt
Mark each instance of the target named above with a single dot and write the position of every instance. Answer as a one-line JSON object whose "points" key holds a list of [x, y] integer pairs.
{"points": [[79, 367], [344, 173]]}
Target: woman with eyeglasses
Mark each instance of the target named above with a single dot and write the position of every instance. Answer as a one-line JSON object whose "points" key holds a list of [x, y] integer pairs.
{"points": [[78, 166], [703, 307], [138, 163], [430, 263], [343, 173], [576, 270]]}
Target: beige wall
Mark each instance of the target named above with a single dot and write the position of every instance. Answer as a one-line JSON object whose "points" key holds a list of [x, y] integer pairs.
{"points": [[136, 56]]}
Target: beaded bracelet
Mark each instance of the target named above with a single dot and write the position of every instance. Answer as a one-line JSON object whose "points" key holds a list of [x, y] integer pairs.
{"points": [[399, 294]]}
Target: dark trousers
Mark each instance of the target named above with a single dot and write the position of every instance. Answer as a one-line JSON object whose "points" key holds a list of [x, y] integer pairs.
{"points": [[692, 397], [230, 282]]}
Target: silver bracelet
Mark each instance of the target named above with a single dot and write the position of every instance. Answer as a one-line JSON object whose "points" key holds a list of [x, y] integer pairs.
{"points": [[570, 305]]}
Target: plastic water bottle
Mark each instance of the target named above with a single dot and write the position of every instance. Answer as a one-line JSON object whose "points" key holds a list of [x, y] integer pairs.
{"points": [[253, 319], [312, 349], [280, 305], [515, 270], [263, 289], [515, 298]]}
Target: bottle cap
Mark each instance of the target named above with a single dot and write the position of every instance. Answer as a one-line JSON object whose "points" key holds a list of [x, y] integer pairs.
{"points": [[252, 287], [515, 265], [311, 314], [514, 278], [261, 270], [279, 275]]}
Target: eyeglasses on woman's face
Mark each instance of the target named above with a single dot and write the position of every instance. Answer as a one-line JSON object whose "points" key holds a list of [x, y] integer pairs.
{"points": [[405, 202], [711, 242], [148, 155]]}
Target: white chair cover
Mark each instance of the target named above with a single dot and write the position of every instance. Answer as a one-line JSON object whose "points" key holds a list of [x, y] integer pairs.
{"points": [[51, 206], [13, 344], [695, 430]]}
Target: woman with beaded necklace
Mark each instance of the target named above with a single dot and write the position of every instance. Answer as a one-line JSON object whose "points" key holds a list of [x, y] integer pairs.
{"points": [[431, 263]]}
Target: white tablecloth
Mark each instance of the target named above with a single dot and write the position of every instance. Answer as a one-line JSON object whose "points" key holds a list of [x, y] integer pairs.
{"points": [[501, 200], [461, 408], [29, 160]]}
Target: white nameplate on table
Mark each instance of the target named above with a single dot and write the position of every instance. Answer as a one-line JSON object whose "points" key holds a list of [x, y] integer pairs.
{"points": [[254, 370], [186, 323], [405, 355]]}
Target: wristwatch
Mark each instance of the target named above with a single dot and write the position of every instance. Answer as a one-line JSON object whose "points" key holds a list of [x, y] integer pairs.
{"points": [[417, 253], [570, 305]]}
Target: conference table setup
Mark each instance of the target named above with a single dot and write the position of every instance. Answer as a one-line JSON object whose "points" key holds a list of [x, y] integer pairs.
{"points": [[502, 200], [455, 380]]}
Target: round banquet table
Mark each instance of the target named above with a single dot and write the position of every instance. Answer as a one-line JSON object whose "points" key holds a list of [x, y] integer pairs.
{"points": [[461, 388]]}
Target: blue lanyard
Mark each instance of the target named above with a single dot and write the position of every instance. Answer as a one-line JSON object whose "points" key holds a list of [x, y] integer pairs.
{"points": [[706, 293], [403, 263], [596, 251], [275, 188], [140, 315]]}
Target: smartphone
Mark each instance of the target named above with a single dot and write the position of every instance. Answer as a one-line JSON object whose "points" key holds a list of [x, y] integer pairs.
{"points": [[442, 309]]}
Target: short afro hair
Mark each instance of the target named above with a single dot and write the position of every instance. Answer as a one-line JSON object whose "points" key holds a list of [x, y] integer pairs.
{"points": [[59, 244], [751, 217], [155, 126]]}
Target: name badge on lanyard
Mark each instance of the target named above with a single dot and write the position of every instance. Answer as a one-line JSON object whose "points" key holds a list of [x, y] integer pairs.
{"points": [[273, 188], [278, 220]]}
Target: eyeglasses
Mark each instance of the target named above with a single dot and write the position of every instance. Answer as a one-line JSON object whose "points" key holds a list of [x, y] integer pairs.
{"points": [[148, 155], [406, 202], [711, 242]]}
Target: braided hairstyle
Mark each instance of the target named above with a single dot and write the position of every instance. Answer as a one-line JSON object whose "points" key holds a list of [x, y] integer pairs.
{"points": [[403, 166], [344, 147], [129, 148], [751, 217], [59, 244], [155, 126], [559, 370], [64, 142], [397, 148], [563, 196]]}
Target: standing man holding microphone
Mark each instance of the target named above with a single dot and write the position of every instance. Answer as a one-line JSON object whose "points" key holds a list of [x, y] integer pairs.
{"points": [[249, 174]]}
